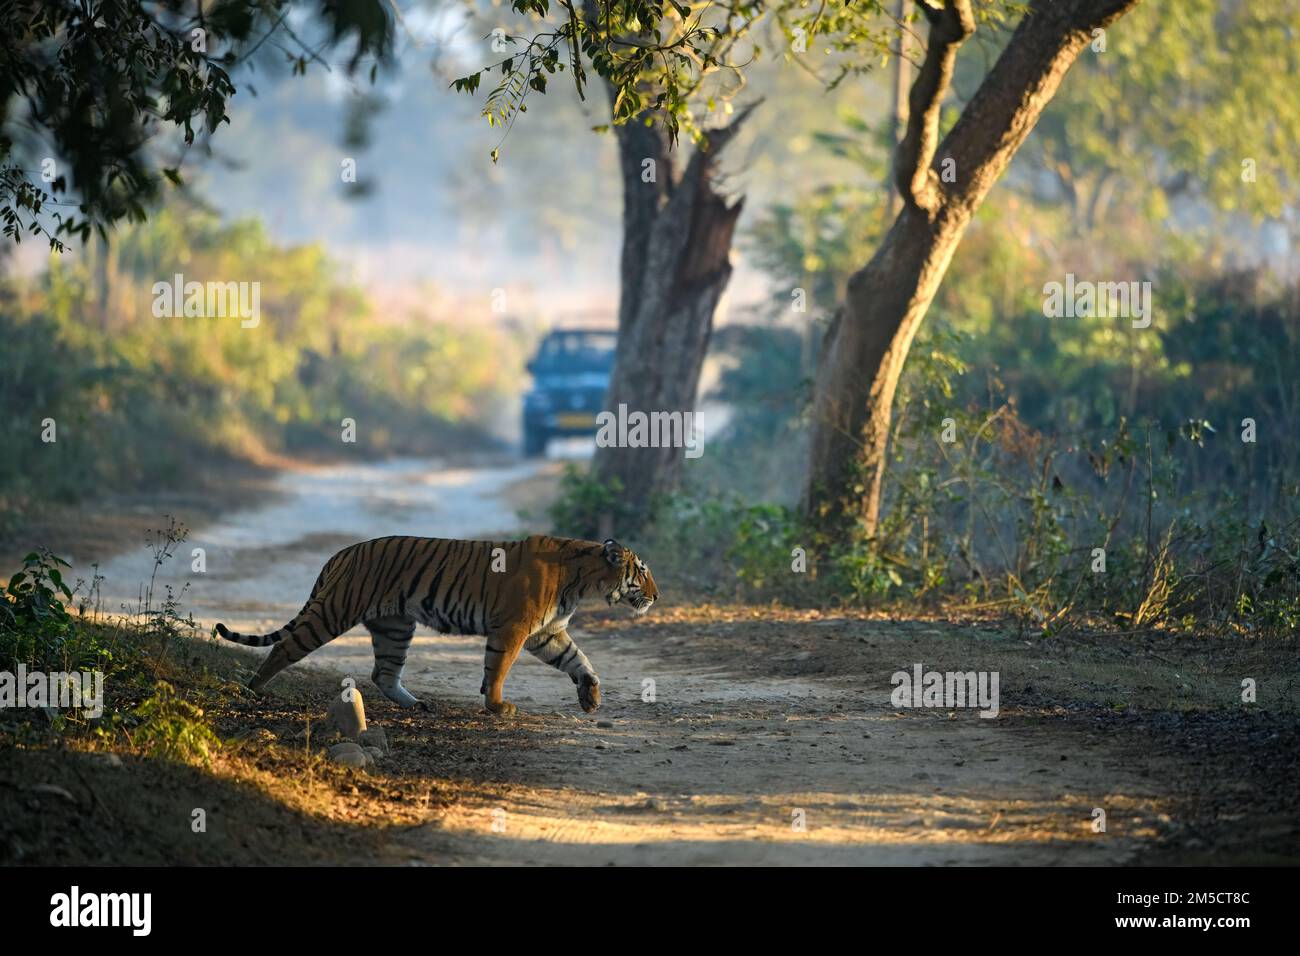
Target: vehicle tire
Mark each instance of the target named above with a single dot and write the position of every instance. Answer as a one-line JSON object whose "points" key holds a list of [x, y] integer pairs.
{"points": [[534, 442]]}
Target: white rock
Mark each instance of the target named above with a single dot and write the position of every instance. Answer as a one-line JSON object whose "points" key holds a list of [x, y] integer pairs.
{"points": [[348, 717]]}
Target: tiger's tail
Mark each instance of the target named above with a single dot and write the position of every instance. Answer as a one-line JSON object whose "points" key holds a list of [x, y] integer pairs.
{"points": [[253, 640], [276, 636]]}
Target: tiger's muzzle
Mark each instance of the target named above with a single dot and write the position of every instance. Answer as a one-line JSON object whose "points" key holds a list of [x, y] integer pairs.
{"points": [[639, 600]]}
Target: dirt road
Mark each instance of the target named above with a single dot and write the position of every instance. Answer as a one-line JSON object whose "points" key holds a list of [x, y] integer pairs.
{"points": [[726, 767], [725, 736]]}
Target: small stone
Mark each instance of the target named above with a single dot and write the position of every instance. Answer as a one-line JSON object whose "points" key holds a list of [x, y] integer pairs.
{"points": [[374, 737], [348, 716], [106, 760], [350, 755], [375, 752], [605, 724]]}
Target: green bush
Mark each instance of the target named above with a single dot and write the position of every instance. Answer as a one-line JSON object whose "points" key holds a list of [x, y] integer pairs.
{"points": [[35, 626], [172, 728], [38, 630], [584, 504]]}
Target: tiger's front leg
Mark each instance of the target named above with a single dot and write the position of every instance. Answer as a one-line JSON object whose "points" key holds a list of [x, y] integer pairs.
{"points": [[559, 650]]}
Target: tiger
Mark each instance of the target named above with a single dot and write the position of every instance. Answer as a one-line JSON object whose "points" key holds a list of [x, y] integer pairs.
{"points": [[517, 594]]}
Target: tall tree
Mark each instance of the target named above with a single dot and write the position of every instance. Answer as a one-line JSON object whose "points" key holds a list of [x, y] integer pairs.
{"points": [[678, 225], [942, 184], [674, 267]]}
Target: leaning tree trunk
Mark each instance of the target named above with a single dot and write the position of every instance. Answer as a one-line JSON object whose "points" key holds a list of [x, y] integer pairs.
{"points": [[942, 185], [677, 232]]}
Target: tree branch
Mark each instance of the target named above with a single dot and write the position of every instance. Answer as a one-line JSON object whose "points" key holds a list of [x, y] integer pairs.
{"points": [[1011, 98], [715, 140], [950, 25]]}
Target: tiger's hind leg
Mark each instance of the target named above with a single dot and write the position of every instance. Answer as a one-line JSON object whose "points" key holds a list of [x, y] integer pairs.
{"points": [[391, 637], [306, 632]]}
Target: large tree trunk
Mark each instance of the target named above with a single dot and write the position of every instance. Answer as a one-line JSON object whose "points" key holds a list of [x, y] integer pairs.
{"points": [[867, 343], [677, 232]]}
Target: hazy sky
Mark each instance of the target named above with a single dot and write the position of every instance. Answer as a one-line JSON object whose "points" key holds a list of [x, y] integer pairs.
{"points": [[543, 222]]}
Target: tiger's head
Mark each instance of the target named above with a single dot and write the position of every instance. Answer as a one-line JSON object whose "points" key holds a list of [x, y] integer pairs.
{"points": [[629, 578]]}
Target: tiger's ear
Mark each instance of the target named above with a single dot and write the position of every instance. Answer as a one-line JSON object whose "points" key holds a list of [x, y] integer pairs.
{"points": [[615, 553]]}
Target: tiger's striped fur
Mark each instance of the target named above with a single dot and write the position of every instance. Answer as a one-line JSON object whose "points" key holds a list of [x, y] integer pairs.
{"points": [[517, 594]]}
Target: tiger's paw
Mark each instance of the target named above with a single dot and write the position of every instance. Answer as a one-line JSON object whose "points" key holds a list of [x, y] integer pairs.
{"points": [[503, 709], [589, 692], [399, 695]]}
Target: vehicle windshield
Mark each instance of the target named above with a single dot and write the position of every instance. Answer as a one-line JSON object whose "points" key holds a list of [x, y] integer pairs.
{"points": [[570, 352]]}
